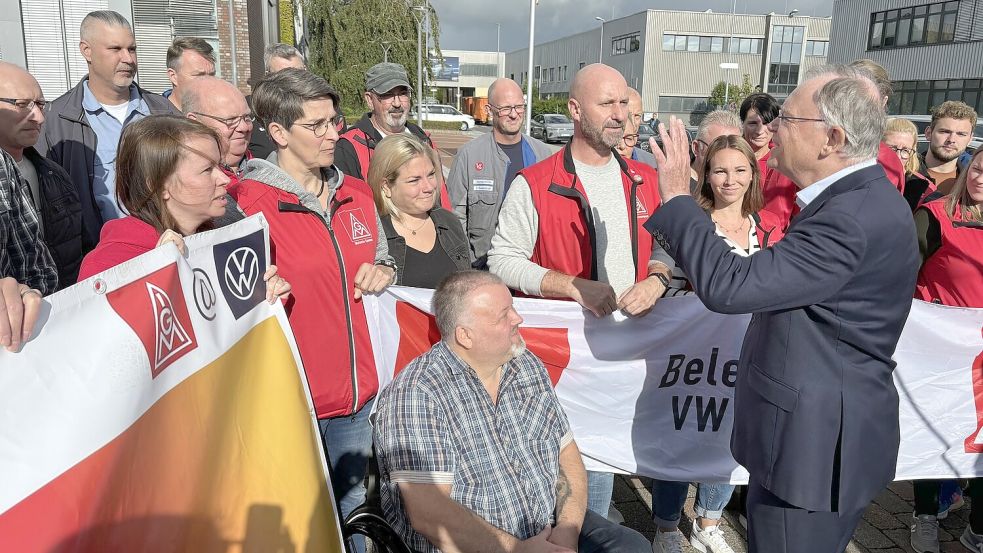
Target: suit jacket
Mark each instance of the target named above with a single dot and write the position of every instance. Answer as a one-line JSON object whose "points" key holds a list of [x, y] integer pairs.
{"points": [[816, 410]]}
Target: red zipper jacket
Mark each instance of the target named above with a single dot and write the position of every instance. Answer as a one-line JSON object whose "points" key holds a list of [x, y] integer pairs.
{"points": [[951, 275]]}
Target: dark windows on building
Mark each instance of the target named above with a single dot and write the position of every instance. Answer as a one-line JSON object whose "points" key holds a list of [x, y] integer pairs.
{"points": [[682, 104], [919, 97], [913, 26], [479, 70], [818, 48], [713, 44], [786, 56], [625, 44]]}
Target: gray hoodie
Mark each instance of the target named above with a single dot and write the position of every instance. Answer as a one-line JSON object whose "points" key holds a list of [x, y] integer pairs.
{"points": [[268, 172]]}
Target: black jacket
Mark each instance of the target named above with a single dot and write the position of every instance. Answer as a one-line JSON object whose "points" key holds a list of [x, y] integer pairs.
{"points": [[450, 235], [69, 141], [345, 157], [61, 217]]}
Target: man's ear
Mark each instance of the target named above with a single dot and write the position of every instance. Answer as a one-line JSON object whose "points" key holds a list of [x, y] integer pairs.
{"points": [[86, 51], [835, 141], [463, 337], [172, 76], [368, 100], [573, 106]]}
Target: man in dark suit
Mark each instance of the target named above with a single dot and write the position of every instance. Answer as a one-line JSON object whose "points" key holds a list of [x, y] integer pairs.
{"points": [[816, 410]]}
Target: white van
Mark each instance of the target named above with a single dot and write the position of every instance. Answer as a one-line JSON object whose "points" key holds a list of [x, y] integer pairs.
{"points": [[443, 112]]}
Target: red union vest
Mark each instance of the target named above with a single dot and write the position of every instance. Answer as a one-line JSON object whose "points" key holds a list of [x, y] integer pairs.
{"points": [[953, 275], [567, 235]]}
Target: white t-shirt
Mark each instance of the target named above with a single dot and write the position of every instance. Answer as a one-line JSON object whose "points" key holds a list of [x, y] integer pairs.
{"points": [[118, 111]]}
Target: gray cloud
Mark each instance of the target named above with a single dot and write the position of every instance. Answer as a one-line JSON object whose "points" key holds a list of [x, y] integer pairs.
{"points": [[470, 24]]}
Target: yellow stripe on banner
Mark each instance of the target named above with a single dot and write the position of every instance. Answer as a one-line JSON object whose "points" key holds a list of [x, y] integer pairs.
{"points": [[225, 462]]}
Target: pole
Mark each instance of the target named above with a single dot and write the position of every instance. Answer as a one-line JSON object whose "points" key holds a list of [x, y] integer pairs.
{"points": [[419, 71], [232, 45], [600, 45], [532, 37], [730, 49], [498, 51]]}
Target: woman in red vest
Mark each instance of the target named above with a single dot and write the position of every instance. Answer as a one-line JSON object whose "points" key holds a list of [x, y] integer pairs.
{"points": [[950, 238], [169, 179], [324, 235]]}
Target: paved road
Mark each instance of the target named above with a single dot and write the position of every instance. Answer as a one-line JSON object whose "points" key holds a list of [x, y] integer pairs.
{"points": [[884, 529]]}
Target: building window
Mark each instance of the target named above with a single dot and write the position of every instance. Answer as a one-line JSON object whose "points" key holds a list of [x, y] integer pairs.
{"points": [[919, 97], [682, 104], [786, 55], [713, 44], [625, 44], [582, 64], [479, 70], [817, 48], [913, 26]]}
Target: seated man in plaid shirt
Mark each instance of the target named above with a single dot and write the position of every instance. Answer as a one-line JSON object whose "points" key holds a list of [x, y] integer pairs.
{"points": [[475, 452]]}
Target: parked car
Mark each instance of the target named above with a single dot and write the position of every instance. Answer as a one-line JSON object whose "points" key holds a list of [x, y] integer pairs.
{"points": [[649, 129], [551, 127], [443, 112]]}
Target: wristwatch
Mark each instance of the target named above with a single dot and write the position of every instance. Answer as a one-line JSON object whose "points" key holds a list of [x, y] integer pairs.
{"points": [[391, 264], [662, 278]]}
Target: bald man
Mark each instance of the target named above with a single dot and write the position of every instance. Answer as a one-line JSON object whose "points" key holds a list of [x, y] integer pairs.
{"points": [[52, 196], [628, 147], [571, 226], [219, 105], [484, 168]]}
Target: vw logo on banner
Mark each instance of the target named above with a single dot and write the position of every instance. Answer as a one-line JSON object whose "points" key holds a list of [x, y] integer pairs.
{"points": [[240, 265]]}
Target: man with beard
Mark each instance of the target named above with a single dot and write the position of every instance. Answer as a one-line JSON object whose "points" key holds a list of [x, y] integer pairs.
{"points": [[484, 168], [219, 105], [85, 123], [475, 452], [387, 94], [51, 192], [948, 135], [571, 226]]}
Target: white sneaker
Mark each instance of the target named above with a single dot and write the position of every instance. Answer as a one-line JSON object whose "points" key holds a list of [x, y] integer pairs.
{"points": [[709, 540], [972, 541], [668, 542], [925, 533]]}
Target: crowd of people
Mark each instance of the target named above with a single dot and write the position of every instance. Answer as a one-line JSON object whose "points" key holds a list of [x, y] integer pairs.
{"points": [[817, 214]]}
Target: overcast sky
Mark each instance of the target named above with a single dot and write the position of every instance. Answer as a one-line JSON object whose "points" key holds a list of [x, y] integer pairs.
{"points": [[470, 24]]}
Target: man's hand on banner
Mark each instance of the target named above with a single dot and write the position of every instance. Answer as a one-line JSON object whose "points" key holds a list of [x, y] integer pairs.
{"points": [[638, 300], [596, 297], [276, 286], [674, 168], [174, 238], [19, 309], [372, 279]]}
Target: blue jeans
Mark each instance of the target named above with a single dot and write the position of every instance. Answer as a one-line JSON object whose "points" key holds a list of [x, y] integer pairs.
{"points": [[668, 499], [347, 442], [600, 487]]}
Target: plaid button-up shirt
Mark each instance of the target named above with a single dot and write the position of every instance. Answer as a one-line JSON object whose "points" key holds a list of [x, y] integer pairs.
{"points": [[436, 424], [24, 255]]}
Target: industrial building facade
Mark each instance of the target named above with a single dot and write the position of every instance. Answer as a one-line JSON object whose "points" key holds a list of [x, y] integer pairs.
{"points": [[932, 50], [673, 58], [43, 36], [464, 73]]}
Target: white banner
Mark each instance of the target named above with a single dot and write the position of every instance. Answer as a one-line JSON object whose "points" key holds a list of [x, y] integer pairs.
{"points": [[654, 396]]}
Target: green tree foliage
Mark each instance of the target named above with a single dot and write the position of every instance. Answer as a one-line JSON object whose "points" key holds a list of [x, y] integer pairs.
{"points": [[287, 21], [347, 37], [737, 93]]}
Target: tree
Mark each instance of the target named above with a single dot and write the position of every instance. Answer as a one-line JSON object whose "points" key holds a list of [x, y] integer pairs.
{"points": [[737, 93], [287, 21], [347, 37]]}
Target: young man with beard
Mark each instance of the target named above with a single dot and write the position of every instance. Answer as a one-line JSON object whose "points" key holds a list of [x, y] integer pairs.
{"points": [[475, 452], [484, 168], [571, 225], [948, 135]]}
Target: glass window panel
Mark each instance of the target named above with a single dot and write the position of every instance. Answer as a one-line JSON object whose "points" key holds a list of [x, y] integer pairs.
{"points": [[952, 6], [704, 44], [776, 52], [680, 42], [825, 48], [773, 74], [892, 14], [938, 96], [924, 85], [755, 45], [932, 29], [693, 44], [907, 103], [948, 27], [935, 8], [973, 84], [909, 85], [889, 30], [954, 94], [797, 34], [786, 55], [921, 103], [745, 45], [906, 12], [956, 84], [793, 75], [917, 30], [796, 57], [879, 16], [810, 46], [876, 35], [787, 34], [717, 44], [921, 10], [979, 104], [904, 27]]}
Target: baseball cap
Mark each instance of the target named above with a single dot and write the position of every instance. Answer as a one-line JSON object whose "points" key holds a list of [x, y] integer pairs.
{"points": [[383, 77]]}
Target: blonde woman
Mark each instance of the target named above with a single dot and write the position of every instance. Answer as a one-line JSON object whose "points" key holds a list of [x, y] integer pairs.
{"points": [[901, 136], [426, 241]]}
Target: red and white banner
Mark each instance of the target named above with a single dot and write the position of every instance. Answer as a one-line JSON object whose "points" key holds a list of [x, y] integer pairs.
{"points": [[654, 396]]}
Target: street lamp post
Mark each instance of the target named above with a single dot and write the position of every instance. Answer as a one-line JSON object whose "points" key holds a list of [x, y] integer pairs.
{"points": [[600, 44], [532, 38], [498, 51], [419, 61]]}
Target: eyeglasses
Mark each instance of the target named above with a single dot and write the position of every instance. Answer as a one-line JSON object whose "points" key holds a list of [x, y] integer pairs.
{"points": [[320, 128], [504, 111], [387, 97], [230, 122], [26, 104], [793, 119], [630, 138], [903, 153]]}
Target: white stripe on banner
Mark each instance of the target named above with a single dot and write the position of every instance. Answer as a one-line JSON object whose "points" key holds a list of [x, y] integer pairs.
{"points": [[654, 396]]}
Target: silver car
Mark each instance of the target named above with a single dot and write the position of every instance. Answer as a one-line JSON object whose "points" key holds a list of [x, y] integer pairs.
{"points": [[551, 127]]}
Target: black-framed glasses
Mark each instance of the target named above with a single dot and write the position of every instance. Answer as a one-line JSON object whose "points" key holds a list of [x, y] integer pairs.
{"points": [[404, 93], [320, 128], [26, 104], [903, 153], [230, 122], [504, 111], [701, 141], [630, 138], [793, 119]]}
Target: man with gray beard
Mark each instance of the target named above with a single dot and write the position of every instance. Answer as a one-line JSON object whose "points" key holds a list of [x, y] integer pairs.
{"points": [[570, 226]]}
